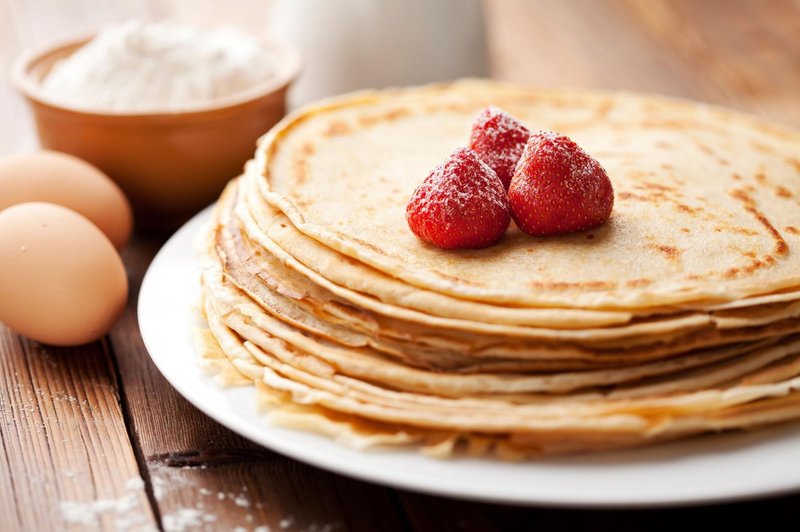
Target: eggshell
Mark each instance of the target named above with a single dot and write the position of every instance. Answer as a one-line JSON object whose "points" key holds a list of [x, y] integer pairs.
{"points": [[65, 180], [61, 280]]}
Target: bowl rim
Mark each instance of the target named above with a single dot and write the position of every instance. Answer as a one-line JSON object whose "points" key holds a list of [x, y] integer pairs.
{"points": [[288, 69]]}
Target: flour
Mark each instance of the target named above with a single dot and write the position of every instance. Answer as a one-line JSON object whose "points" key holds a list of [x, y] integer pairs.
{"points": [[85, 513], [164, 66], [126, 510], [186, 519], [127, 513], [134, 483], [242, 501]]}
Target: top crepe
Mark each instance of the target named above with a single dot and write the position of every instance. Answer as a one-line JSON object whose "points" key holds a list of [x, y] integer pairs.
{"points": [[706, 206]]}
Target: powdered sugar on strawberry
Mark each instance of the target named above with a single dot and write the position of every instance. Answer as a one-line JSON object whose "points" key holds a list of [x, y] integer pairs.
{"points": [[558, 188], [461, 204], [498, 139]]}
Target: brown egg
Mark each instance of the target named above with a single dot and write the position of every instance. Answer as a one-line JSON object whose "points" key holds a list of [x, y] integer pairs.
{"points": [[61, 280], [66, 180]]}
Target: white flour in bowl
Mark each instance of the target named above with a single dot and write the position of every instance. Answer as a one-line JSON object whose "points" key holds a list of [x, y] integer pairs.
{"points": [[159, 67]]}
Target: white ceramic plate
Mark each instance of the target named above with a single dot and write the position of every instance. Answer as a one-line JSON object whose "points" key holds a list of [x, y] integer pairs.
{"points": [[710, 469]]}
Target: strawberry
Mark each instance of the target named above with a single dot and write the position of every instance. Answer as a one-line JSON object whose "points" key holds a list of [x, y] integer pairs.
{"points": [[498, 138], [461, 204], [558, 188]]}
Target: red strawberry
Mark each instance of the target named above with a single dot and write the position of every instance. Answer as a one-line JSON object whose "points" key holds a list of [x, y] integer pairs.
{"points": [[461, 204], [498, 138], [558, 188]]}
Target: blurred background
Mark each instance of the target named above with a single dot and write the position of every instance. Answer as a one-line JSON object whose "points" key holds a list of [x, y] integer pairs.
{"points": [[741, 53]]}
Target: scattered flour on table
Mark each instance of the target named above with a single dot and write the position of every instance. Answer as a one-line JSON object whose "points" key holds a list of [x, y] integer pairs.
{"points": [[134, 483], [86, 513], [127, 511], [186, 519], [128, 514], [166, 479], [242, 501]]}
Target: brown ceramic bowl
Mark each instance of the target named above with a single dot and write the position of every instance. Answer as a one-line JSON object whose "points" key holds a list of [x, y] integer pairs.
{"points": [[169, 164]]}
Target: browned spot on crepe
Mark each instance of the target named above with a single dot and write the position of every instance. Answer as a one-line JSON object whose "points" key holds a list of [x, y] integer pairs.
{"points": [[781, 248], [337, 128], [670, 252]]}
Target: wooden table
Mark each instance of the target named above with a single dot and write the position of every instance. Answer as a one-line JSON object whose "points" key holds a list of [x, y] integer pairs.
{"points": [[93, 437]]}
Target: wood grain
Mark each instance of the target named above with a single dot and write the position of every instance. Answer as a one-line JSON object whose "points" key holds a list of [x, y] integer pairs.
{"points": [[748, 57], [64, 441], [580, 43], [82, 425], [744, 54]]}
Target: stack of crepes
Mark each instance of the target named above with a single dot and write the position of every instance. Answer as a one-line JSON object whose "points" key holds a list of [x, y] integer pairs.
{"points": [[679, 316]]}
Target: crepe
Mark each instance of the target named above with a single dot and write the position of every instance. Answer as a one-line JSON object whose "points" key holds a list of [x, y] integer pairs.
{"points": [[705, 198], [538, 427], [252, 323], [663, 326], [679, 317]]}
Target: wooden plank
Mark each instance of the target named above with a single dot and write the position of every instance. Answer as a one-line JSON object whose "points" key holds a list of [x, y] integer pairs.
{"points": [[66, 458], [277, 493], [67, 461], [581, 43], [204, 475], [744, 54]]}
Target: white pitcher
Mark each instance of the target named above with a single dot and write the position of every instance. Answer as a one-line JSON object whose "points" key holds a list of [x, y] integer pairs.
{"points": [[355, 44]]}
